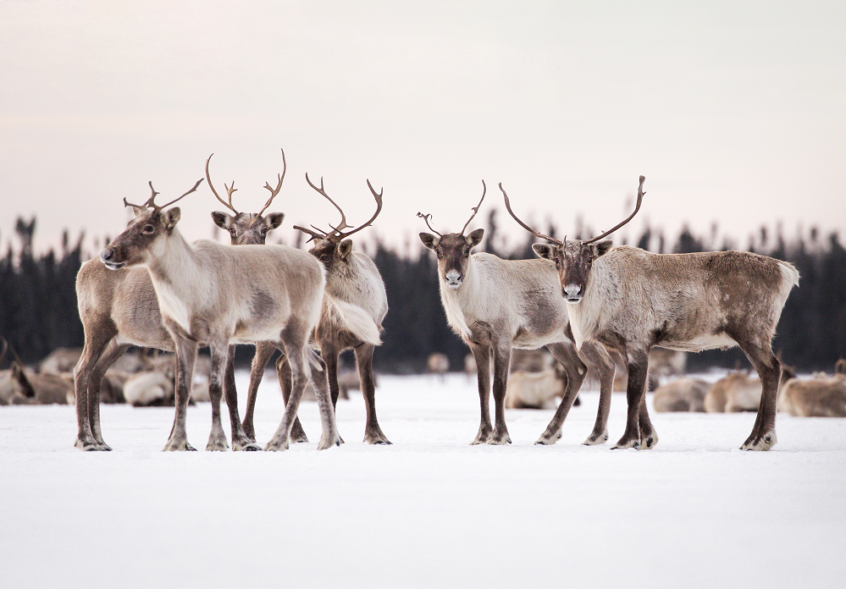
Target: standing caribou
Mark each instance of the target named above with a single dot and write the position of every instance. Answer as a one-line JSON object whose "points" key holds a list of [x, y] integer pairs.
{"points": [[495, 305], [632, 300], [354, 307]]}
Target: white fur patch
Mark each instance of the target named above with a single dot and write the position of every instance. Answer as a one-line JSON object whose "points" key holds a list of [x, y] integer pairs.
{"points": [[455, 316], [354, 319]]}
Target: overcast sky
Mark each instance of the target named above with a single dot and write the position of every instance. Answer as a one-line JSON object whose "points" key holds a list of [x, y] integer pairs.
{"points": [[734, 111]]}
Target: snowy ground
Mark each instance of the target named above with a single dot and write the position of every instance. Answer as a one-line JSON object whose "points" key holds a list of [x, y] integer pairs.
{"points": [[429, 511]]}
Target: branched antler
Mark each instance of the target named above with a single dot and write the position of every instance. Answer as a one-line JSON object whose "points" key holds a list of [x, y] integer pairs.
{"points": [[476, 208], [273, 191], [151, 201], [426, 218], [337, 234], [523, 225], [229, 189], [640, 194]]}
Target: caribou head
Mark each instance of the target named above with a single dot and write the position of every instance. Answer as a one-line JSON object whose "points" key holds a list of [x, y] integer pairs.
{"points": [[453, 249], [333, 247], [574, 259], [147, 232], [247, 228]]}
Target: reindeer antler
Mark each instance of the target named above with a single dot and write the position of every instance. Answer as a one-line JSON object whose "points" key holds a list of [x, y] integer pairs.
{"points": [[426, 219], [337, 234], [273, 191], [151, 201], [640, 194], [523, 225], [229, 189], [476, 208]]}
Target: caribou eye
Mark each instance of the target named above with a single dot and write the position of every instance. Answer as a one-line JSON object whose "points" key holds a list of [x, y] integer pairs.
{"points": [[325, 258], [232, 232], [148, 229], [440, 254], [466, 251], [264, 230]]}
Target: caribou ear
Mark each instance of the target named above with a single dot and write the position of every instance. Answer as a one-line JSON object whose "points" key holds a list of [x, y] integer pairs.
{"points": [[274, 220], [222, 220], [344, 248], [429, 240], [543, 250], [137, 210], [171, 217], [601, 248], [475, 237]]}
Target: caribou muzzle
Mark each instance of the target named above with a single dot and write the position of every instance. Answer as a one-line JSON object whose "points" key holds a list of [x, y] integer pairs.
{"points": [[573, 293], [107, 256], [453, 279]]}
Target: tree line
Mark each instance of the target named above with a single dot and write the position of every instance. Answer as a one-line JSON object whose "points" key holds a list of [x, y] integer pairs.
{"points": [[38, 311]]}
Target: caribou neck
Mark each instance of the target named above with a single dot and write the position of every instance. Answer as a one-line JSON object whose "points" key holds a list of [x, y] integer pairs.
{"points": [[174, 270], [598, 298], [459, 302]]}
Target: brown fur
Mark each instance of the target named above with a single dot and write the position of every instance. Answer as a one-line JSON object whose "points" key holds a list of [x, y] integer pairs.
{"points": [[682, 394], [823, 396]]}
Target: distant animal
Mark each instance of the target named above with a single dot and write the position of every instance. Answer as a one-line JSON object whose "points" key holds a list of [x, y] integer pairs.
{"points": [[437, 363], [60, 361], [682, 394], [633, 300], [498, 305], [823, 396], [733, 393], [119, 309], [535, 390]]}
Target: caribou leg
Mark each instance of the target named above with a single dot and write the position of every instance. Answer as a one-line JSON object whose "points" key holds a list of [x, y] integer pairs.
{"points": [[364, 361], [186, 355], [240, 441], [283, 372], [109, 357], [502, 361], [566, 354], [219, 361], [95, 342], [482, 355], [763, 436], [638, 367], [601, 360], [264, 350]]}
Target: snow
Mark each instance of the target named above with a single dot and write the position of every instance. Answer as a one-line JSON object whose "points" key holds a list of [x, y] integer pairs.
{"points": [[428, 511]]}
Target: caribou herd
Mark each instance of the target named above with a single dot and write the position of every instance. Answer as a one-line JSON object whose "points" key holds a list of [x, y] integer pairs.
{"points": [[583, 300]]}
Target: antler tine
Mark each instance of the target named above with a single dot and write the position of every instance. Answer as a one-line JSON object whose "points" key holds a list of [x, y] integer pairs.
{"points": [[217, 196], [150, 201], [523, 225], [426, 219], [274, 191], [640, 194], [5, 347], [314, 234], [378, 198], [343, 223], [476, 208], [181, 197]]}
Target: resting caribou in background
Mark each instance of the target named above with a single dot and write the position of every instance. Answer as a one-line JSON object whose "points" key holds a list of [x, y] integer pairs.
{"points": [[119, 309], [203, 297], [353, 310], [631, 300], [495, 305]]}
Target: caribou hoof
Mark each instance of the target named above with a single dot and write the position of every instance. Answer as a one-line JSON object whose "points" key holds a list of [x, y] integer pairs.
{"points": [[329, 441], [88, 445], [217, 444], [245, 446], [178, 446], [276, 445], [376, 437], [548, 439], [649, 442], [596, 439], [764, 442], [499, 439], [298, 435], [482, 437], [625, 444]]}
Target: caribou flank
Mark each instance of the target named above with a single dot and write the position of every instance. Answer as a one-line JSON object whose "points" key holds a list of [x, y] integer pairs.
{"points": [[495, 305], [119, 309], [354, 306], [632, 300]]}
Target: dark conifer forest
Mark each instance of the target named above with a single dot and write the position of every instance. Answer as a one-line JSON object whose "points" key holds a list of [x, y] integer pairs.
{"points": [[38, 302]]}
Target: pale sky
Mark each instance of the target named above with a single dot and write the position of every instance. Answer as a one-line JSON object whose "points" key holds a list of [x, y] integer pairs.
{"points": [[734, 111]]}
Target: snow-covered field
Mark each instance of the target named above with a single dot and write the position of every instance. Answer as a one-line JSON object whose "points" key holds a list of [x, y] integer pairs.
{"points": [[428, 511]]}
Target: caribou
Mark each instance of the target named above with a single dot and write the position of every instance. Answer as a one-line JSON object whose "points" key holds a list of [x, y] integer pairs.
{"points": [[354, 306], [495, 305], [631, 300]]}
